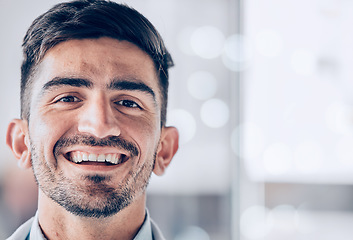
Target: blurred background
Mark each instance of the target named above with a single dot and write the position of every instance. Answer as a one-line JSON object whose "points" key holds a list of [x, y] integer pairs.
{"points": [[262, 96]]}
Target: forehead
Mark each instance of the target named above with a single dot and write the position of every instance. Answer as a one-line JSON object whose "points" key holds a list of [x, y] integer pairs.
{"points": [[100, 60]]}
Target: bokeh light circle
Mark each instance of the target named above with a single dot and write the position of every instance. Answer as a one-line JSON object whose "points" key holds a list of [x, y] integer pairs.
{"points": [[202, 85], [285, 218], [184, 122], [255, 222], [183, 40], [237, 53], [215, 113], [207, 42]]}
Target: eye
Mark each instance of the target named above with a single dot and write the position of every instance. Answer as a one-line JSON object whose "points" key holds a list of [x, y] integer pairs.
{"points": [[128, 104], [68, 99]]}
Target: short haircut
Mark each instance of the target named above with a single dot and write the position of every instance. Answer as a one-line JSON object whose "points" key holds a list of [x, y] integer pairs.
{"points": [[91, 19]]}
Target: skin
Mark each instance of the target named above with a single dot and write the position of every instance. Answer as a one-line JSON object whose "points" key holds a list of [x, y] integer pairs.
{"points": [[94, 108]]}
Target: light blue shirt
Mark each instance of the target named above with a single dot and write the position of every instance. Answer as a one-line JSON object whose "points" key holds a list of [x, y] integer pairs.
{"points": [[31, 230]]}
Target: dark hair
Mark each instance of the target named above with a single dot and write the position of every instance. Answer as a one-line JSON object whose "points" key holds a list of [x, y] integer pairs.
{"points": [[83, 19]]}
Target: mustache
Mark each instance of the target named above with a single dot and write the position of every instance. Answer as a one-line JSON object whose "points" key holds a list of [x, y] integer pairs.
{"points": [[87, 140]]}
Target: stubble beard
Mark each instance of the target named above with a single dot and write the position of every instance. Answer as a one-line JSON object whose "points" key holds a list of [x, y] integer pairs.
{"points": [[90, 196]]}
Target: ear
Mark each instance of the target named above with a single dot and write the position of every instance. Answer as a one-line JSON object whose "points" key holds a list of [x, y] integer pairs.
{"points": [[18, 141], [167, 148]]}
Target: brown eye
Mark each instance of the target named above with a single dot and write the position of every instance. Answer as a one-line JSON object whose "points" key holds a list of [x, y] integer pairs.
{"points": [[128, 104], [68, 99]]}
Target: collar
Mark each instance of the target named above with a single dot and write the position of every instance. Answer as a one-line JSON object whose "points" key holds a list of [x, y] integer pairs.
{"points": [[145, 231], [36, 231]]}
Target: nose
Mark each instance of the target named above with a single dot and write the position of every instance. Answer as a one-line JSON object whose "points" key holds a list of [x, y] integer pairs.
{"points": [[97, 118]]}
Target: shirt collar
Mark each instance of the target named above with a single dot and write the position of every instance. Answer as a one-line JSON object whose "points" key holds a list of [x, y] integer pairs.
{"points": [[145, 232], [36, 231]]}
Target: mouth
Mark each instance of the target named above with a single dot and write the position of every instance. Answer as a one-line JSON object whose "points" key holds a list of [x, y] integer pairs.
{"points": [[110, 159]]}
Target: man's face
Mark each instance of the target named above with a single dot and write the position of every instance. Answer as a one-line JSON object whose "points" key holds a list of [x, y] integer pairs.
{"points": [[94, 125]]}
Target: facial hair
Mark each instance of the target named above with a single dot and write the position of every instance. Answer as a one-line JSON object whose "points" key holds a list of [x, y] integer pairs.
{"points": [[95, 198]]}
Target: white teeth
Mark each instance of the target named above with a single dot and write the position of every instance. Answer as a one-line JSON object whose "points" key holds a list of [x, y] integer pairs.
{"points": [[115, 159], [101, 158], [78, 157], [92, 157]]}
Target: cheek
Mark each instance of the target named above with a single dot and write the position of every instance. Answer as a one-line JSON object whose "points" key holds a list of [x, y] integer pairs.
{"points": [[45, 132], [145, 132]]}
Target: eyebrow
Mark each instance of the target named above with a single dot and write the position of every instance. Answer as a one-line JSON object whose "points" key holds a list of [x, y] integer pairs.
{"points": [[119, 84], [59, 81]]}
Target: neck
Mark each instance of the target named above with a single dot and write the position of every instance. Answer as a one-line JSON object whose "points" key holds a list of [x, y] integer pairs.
{"points": [[57, 223]]}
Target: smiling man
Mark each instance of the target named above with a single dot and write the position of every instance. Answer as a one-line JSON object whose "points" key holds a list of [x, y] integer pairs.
{"points": [[93, 111]]}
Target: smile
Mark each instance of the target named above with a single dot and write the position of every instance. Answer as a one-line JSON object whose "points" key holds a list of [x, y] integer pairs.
{"points": [[82, 157]]}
